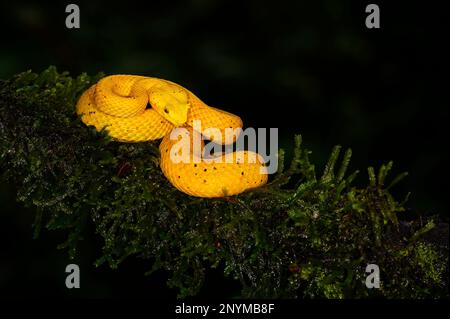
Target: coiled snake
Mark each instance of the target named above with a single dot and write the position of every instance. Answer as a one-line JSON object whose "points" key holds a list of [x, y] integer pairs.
{"points": [[136, 109]]}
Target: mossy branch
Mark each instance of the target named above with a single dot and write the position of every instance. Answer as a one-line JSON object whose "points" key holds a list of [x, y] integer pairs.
{"points": [[298, 236]]}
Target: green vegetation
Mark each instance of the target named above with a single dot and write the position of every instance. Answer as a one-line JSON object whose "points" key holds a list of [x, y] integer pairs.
{"points": [[305, 234]]}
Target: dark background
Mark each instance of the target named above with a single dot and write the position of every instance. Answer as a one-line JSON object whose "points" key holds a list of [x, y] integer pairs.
{"points": [[309, 67]]}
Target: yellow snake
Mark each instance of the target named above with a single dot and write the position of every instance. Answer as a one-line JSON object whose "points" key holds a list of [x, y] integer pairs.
{"points": [[137, 108]]}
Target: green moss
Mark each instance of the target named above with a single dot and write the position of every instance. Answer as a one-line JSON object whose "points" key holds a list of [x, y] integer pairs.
{"points": [[430, 263], [302, 235]]}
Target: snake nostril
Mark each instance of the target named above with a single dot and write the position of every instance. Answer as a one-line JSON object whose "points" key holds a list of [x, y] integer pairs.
{"points": [[166, 110], [148, 106]]}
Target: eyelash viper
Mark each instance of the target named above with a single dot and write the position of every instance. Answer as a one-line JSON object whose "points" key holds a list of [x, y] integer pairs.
{"points": [[136, 109]]}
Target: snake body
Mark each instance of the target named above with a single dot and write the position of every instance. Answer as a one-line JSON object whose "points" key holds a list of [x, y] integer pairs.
{"points": [[137, 109]]}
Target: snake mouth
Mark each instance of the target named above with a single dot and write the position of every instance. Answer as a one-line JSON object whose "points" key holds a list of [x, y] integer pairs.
{"points": [[177, 123]]}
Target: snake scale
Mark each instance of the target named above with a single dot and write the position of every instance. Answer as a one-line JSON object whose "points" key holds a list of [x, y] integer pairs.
{"points": [[138, 109]]}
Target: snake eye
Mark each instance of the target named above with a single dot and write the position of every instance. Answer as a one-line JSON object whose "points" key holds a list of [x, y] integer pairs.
{"points": [[166, 110]]}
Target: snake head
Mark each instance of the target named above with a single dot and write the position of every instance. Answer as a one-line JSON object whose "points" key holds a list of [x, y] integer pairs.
{"points": [[171, 103]]}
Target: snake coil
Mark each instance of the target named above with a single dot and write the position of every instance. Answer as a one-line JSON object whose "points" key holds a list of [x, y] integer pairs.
{"points": [[137, 109]]}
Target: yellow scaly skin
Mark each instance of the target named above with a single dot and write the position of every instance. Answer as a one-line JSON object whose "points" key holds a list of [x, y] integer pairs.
{"points": [[119, 104]]}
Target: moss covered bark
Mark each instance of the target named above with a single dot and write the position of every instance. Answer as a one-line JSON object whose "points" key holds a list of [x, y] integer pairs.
{"points": [[305, 234]]}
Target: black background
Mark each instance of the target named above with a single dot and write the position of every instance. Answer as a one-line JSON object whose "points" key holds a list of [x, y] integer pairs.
{"points": [[309, 67]]}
